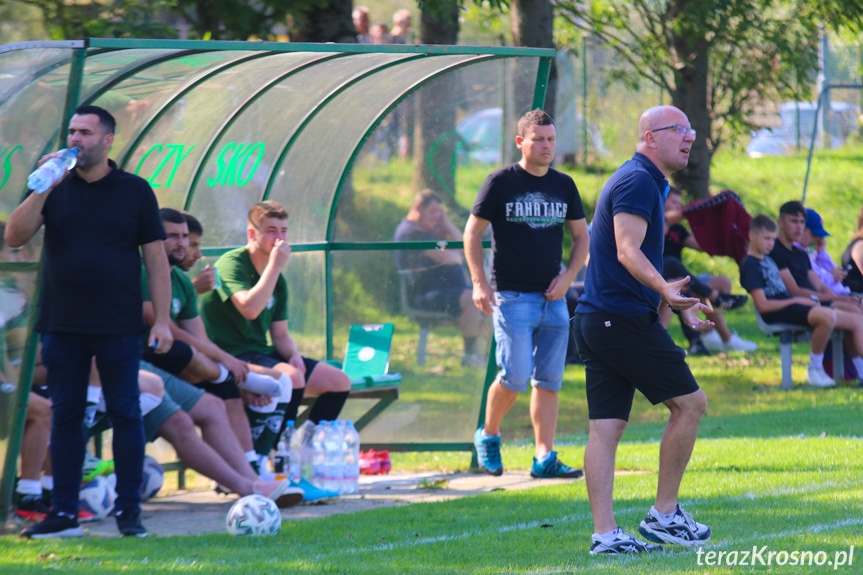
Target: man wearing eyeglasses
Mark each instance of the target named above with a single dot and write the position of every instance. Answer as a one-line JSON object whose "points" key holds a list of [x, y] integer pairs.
{"points": [[623, 345]]}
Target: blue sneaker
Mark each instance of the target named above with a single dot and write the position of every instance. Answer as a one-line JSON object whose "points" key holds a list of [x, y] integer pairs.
{"points": [[552, 468], [312, 494], [488, 452]]}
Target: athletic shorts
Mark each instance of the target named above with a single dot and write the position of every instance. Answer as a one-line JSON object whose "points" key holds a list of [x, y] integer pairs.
{"points": [[794, 314], [622, 354], [174, 361], [271, 359], [446, 301], [178, 395]]}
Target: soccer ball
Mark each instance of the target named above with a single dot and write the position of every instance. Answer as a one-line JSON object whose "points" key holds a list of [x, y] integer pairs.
{"points": [[153, 478], [97, 497], [254, 515]]}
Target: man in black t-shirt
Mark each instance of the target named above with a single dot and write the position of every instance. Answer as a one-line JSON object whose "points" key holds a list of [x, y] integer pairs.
{"points": [[526, 205], [95, 219], [794, 265]]}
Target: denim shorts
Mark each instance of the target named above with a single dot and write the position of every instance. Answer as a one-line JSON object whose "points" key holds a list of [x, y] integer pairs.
{"points": [[531, 333]]}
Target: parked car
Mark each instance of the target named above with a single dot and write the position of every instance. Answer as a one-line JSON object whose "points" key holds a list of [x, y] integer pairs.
{"points": [[783, 139], [482, 134]]}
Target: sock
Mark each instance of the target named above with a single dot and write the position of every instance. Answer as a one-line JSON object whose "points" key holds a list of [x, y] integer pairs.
{"points": [[263, 385], [858, 365], [265, 427], [470, 345], [487, 435], [223, 374], [29, 487], [94, 397], [664, 518], [286, 386], [294, 404], [251, 456], [328, 406], [47, 482], [149, 402], [94, 394], [816, 359], [544, 458], [608, 537]]}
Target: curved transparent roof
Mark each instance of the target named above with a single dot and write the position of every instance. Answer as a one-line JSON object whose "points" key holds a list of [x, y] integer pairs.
{"points": [[342, 135]]}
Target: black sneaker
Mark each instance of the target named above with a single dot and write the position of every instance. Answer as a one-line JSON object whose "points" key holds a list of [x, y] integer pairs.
{"points": [[56, 524], [129, 523], [624, 542], [682, 530], [31, 507], [697, 347], [726, 301]]}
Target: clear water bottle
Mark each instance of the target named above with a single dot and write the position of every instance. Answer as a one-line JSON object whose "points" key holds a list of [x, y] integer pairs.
{"points": [[319, 479], [295, 454], [352, 458], [282, 457], [51, 171], [307, 450], [334, 456]]}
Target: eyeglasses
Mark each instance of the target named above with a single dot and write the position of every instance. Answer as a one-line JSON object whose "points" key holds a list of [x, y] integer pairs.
{"points": [[679, 128]]}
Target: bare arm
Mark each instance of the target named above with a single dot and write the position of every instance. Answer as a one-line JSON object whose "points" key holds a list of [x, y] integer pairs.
{"points": [[629, 232], [250, 303], [764, 305], [285, 346], [159, 282], [792, 287], [193, 332], [691, 242], [578, 252], [483, 295]]}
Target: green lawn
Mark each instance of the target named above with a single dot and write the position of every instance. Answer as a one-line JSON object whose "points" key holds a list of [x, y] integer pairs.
{"points": [[771, 468]]}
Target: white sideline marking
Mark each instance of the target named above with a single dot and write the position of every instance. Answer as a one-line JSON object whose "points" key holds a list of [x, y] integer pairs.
{"points": [[812, 487]]}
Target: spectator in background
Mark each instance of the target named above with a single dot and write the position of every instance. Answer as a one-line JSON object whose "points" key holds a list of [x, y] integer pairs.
{"points": [[401, 32], [380, 34], [852, 259], [813, 241], [360, 17], [437, 280], [708, 288]]}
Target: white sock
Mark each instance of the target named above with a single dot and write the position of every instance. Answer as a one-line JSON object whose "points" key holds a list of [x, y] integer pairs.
{"points": [[858, 365], [287, 388], [94, 394], [816, 359], [543, 458], [149, 402], [251, 456], [486, 435], [664, 518], [608, 537], [47, 482], [29, 487], [223, 374], [262, 385]]}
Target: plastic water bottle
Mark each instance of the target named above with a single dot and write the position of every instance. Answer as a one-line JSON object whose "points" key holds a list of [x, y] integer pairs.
{"points": [[352, 458], [295, 454], [333, 455], [307, 451], [320, 471], [51, 171], [282, 457]]}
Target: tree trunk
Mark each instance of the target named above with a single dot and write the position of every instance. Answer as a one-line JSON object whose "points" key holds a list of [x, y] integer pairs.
{"points": [[691, 95], [435, 134], [327, 21], [532, 26]]}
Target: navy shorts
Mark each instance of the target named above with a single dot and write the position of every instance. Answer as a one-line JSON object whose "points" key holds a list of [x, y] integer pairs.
{"points": [[272, 359], [622, 354]]}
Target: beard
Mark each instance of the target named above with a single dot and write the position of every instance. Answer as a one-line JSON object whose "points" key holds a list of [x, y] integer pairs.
{"points": [[176, 261]]}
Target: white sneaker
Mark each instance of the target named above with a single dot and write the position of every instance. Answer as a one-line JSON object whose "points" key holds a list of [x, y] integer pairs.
{"points": [[818, 377], [737, 343], [713, 342]]}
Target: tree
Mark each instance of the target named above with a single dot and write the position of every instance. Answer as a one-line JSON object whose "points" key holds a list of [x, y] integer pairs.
{"points": [[533, 26], [328, 21], [715, 59], [121, 19]]}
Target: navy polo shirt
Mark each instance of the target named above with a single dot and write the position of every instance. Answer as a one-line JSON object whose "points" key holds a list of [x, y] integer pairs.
{"points": [[637, 188], [92, 265]]}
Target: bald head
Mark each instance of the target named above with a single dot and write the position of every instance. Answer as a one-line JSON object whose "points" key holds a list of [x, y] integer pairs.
{"points": [[658, 117]]}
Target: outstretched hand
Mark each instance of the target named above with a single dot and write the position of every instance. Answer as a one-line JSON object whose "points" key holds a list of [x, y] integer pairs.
{"points": [[690, 316], [672, 296]]}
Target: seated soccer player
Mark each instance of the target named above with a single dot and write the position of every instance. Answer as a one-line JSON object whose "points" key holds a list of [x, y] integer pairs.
{"points": [[438, 281], [760, 276], [204, 280], [252, 304], [709, 288]]}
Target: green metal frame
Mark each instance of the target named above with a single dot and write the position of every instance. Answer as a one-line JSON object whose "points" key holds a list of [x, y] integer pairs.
{"points": [[83, 49]]}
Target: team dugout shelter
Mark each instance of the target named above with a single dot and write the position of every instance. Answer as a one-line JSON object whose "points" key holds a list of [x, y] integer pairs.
{"points": [[343, 136]]}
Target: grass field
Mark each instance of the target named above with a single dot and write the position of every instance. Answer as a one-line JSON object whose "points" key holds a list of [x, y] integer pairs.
{"points": [[774, 469]]}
